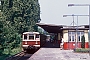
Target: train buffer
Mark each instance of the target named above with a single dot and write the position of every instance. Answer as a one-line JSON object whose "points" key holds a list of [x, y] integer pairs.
{"points": [[57, 54]]}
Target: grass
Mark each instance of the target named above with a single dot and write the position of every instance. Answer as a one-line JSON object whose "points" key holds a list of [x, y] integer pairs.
{"points": [[82, 50], [16, 50], [7, 53]]}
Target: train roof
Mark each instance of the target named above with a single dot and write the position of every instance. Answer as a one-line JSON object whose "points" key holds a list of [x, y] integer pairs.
{"points": [[31, 33]]}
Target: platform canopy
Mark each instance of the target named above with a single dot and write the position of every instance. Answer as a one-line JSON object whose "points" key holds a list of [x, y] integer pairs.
{"points": [[51, 28]]}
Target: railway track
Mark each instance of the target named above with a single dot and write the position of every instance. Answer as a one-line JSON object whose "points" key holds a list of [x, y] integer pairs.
{"points": [[24, 55], [16, 56]]}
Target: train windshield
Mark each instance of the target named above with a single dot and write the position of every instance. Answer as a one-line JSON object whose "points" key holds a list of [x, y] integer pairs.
{"points": [[37, 35], [31, 36]]}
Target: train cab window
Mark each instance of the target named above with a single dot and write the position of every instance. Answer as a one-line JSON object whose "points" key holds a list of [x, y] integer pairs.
{"points": [[31, 36], [37, 35], [25, 36]]}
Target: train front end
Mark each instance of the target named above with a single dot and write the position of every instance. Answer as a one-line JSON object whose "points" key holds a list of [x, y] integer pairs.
{"points": [[31, 40]]}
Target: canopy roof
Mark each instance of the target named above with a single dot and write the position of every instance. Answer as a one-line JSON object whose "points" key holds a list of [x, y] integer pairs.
{"points": [[51, 28]]}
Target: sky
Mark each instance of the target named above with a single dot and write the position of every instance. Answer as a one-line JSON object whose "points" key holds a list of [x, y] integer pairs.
{"points": [[52, 12]]}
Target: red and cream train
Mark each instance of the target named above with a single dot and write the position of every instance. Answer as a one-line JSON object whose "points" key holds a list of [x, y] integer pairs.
{"points": [[34, 39]]}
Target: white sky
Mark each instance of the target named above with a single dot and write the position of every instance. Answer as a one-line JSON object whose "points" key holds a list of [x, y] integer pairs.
{"points": [[52, 12]]}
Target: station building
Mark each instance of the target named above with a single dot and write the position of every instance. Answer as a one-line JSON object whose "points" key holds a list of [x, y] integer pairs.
{"points": [[71, 34]]}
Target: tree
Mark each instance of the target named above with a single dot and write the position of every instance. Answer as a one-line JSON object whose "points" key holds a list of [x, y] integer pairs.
{"points": [[1, 33], [23, 14], [18, 16], [83, 42], [1, 40]]}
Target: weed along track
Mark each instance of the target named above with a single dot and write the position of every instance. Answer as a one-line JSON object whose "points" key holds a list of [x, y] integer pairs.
{"points": [[16, 56], [20, 56]]}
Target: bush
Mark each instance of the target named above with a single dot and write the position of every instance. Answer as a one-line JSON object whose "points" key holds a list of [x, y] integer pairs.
{"points": [[5, 54], [3, 57], [81, 50], [1, 50], [83, 42]]}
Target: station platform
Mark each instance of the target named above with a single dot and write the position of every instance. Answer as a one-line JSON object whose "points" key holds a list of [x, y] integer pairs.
{"points": [[57, 54]]}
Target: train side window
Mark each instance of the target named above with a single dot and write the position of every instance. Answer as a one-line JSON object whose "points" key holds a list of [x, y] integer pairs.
{"points": [[37, 35], [25, 36], [31, 37]]}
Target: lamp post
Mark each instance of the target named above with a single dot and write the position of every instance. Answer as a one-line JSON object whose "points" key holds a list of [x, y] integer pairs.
{"points": [[89, 18], [72, 16], [76, 36]]}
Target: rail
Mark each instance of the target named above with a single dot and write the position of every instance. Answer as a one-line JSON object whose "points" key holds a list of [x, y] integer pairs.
{"points": [[16, 56]]}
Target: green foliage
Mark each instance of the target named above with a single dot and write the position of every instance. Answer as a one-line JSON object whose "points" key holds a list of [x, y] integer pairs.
{"points": [[83, 42], [81, 50], [1, 50], [7, 54], [16, 17], [1, 26], [24, 14], [1, 35], [40, 30], [3, 57]]}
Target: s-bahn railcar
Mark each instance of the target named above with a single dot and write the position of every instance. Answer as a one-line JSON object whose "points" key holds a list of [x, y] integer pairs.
{"points": [[33, 39]]}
